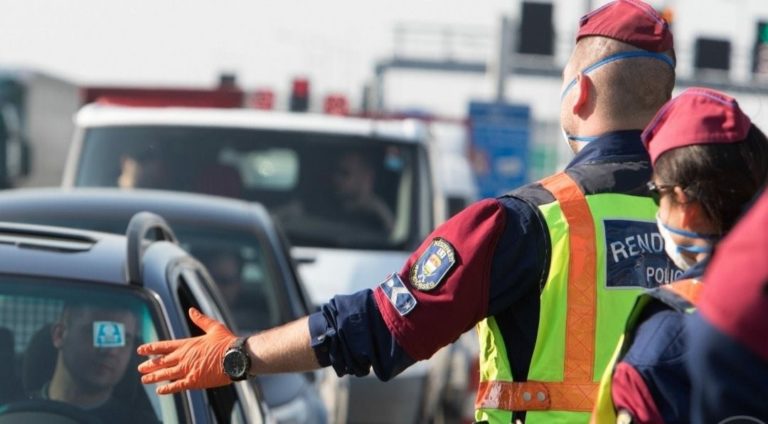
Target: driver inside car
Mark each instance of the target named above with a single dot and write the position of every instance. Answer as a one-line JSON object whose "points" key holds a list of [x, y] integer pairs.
{"points": [[94, 348]]}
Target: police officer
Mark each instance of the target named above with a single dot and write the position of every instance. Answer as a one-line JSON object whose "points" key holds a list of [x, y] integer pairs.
{"points": [[709, 162], [728, 357], [549, 271]]}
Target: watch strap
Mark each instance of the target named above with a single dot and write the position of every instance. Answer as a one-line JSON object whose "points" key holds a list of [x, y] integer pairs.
{"points": [[239, 343], [239, 346]]}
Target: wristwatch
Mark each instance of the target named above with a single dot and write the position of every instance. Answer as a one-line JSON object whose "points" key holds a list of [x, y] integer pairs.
{"points": [[237, 362]]}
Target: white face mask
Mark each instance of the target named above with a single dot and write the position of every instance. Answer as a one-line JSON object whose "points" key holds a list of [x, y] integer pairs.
{"points": [[565, 137], [675, 251]]}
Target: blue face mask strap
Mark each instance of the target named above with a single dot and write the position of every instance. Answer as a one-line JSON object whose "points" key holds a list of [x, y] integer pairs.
{"points": [[619, 56], [695, 249], [582, 138], [690, 234]]}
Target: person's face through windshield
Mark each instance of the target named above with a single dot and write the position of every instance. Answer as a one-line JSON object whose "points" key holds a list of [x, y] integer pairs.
{"points": [[353, 179], [146, 170], [95, 345]]}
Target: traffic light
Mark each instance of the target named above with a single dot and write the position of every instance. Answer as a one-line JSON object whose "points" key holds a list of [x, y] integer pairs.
{"points": [[760, 52], [300, 95], [712, 54], [537, 33]]}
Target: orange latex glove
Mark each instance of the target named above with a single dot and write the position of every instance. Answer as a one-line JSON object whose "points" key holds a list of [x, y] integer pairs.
{"points": [[192, 363]]}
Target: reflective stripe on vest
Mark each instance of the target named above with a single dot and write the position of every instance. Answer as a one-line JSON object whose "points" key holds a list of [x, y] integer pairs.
{"points": [[687, 292], [563, 370]]}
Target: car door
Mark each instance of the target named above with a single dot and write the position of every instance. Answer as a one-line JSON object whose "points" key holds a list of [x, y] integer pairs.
{"points": [[235, 403]]}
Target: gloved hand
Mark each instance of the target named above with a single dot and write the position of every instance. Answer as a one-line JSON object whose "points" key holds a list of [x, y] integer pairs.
{"points": [[192, 363]]}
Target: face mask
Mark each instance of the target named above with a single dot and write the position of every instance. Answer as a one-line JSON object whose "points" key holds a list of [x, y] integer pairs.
{"points": [[565, 136], [675, 251]]}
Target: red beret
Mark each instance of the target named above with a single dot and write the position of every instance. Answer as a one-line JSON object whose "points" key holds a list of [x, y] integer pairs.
{"points": [[735, 294], [630, 21], [696, 116]]}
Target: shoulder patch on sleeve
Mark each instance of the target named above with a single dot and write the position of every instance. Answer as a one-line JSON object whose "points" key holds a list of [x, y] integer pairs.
{"points": [[398, 294], [432, 266]]}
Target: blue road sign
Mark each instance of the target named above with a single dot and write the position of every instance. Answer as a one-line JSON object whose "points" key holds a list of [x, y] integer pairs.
{"points": [[500, 134]]}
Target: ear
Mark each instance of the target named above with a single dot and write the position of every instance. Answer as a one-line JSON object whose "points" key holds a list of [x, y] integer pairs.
{"points": [[691, 210], [584, 84], [57, 335], [680, 196]]}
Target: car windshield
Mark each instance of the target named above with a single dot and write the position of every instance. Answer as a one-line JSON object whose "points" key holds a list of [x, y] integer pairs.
{"points": [[327, 190], [75, 343], [242, 264]]}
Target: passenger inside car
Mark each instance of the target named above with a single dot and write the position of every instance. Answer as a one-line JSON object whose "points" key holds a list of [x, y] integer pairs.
{"points": [[249, 304], [146, 169]]}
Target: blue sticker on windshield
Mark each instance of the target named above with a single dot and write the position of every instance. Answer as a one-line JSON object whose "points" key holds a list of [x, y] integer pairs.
{"points": [[433, 265], [635, 255], [398, 294], [108, 334]]}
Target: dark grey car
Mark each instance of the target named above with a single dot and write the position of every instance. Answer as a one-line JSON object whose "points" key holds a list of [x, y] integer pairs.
{"points": [[73, 307], [241, 248]]}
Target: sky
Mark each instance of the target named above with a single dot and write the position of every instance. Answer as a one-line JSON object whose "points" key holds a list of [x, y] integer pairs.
{"points": [[335, 43], [266, 43]]}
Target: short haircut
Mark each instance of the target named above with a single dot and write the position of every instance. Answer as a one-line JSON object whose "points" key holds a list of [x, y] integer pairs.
{"points": [[723, 177], [626, 87]]}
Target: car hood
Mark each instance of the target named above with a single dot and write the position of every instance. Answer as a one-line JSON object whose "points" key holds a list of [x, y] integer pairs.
{"points": [[328, 272]]}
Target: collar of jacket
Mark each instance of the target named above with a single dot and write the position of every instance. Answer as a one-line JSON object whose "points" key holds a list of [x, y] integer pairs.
{"points": [[613, 146]]}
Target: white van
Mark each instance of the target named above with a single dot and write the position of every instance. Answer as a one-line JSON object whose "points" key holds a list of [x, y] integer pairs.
{"points": [[312, 172], [456, 177]]}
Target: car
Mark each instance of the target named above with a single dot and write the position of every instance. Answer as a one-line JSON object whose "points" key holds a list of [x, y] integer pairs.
{"points": [[457, 178], [73, 306], [243, 251], [310, 172]]}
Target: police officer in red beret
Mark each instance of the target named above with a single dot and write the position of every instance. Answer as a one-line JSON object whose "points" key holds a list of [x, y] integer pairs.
{"points": [[709, 161], [548, 272], [728, 357]]}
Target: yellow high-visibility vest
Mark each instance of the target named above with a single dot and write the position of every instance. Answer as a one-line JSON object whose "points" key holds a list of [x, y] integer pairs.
{"points": [[581, 318]]}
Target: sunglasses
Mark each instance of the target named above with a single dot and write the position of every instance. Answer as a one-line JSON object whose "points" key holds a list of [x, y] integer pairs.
{"points": [[656, 190]]}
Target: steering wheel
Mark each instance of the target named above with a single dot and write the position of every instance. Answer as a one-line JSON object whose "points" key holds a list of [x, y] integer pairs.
{"points": [[44, 411]]}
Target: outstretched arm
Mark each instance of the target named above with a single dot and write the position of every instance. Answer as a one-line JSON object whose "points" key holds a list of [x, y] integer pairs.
{"points": [[282, 349], [390, 327], [197, 362]]}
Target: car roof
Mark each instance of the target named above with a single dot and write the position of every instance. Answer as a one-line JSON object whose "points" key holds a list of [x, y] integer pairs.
{"points": [[44, 251], [112, 203], [99, 115]]}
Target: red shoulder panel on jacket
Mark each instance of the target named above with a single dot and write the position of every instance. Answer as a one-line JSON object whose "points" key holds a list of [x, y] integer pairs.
{"points": [[448, 277]]}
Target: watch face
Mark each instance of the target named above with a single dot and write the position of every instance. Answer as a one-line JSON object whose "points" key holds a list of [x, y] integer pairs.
{"points": [[235, 363]]}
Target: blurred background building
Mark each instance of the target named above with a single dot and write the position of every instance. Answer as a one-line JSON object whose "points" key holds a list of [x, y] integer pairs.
{"points": [[440, 61]]}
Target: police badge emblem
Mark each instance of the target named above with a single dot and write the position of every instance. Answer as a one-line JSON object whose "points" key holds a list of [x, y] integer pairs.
{"points": [[433, 265]]}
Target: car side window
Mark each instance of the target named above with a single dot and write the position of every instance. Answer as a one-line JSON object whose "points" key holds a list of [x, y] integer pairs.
{"points": [[226, 402], [96, 327]]}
